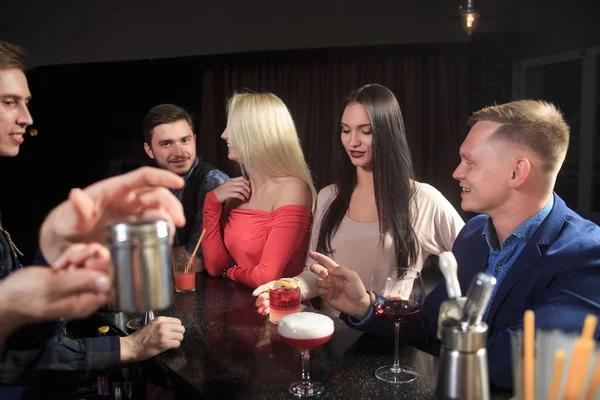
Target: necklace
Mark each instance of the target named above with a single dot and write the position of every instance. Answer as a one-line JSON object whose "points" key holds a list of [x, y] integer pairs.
{"points": [[262, 183]]}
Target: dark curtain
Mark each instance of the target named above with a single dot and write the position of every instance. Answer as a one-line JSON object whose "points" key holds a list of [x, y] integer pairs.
{"points": [[111, 100], [430, 82]]}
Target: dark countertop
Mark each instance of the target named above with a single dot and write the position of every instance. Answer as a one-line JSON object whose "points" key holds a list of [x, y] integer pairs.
{"points": [[229, 351]]}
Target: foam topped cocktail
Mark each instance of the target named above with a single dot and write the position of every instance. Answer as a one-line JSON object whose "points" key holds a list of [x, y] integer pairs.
{"points": [[304, 331], [284, 299]]}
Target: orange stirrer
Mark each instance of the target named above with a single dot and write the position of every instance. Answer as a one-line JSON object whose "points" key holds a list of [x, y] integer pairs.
{"points": [[578, 368], [559, 362], [529, 356], [589, 327], [595, 382], [188, 267]]}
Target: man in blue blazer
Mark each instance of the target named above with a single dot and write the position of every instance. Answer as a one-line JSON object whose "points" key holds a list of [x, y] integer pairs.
{"points": [[545, 257]]}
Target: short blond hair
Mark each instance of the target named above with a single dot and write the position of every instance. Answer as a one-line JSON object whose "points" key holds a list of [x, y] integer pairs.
{"points": [[260, 127], [12, 56], [534, 124]]}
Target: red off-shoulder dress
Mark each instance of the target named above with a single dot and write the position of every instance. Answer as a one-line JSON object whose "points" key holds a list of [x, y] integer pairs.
{"points": [[265, 245]]}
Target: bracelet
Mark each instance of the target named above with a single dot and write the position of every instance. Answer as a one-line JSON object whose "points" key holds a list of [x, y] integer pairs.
{"points": [[232, 265]]}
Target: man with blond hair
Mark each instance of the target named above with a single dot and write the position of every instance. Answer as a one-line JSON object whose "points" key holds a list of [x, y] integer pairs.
{"points": [[66, 238], [544, 256]]}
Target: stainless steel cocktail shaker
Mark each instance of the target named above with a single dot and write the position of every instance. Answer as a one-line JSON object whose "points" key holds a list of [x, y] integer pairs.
{"points": [[141, 255], [463, 373]]}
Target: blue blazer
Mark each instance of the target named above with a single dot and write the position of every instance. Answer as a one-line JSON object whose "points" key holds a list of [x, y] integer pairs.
{"points": [[557, 275]]}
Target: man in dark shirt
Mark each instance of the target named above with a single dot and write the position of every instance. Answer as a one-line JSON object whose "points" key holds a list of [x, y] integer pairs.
{"points": [[169, 139], [82, 218]]}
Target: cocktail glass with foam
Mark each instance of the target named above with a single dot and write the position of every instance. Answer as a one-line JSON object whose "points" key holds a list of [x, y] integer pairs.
{"points": [[305, 331]]}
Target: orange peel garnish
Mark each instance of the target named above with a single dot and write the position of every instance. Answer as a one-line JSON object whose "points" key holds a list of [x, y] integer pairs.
{"points": [[290, 284]]}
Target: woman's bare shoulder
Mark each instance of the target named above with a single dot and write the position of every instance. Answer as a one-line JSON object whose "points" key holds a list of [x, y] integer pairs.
{"points": [[292, 191]]}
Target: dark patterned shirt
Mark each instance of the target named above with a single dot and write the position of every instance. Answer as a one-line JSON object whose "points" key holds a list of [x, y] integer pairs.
{"points": [[211, 180], [36, 348]]}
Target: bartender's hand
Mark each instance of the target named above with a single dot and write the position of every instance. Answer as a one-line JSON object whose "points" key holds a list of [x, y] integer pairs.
{"points": [[85, 216], [161, 334], [85, 255], [34, 294], [341, 287]]}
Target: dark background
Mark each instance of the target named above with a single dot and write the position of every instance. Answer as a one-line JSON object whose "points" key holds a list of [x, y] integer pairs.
{"points": [[99, 66]]}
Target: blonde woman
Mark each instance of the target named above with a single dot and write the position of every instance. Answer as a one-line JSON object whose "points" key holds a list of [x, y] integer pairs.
{"points": [[258, 225]]}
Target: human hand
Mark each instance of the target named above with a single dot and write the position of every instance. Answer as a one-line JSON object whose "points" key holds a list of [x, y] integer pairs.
{"points": [[341, 287], [262, 298], [159, 335], [138, 195], [234, 188], [92, 256], [35, 294], [262, 295]]}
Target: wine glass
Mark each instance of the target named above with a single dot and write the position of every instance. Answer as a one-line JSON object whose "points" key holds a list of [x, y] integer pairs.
{"points": [[305, 331], [399, 294]]}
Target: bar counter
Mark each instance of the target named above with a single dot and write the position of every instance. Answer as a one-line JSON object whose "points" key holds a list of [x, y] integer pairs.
{"points": [[231, 352]]}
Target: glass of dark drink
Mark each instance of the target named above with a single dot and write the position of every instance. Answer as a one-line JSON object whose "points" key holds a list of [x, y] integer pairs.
{"points": [[305, 331], [398, 294]]}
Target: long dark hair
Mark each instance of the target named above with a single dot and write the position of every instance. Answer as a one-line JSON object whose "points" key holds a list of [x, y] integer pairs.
{"points": [[392, 175]]}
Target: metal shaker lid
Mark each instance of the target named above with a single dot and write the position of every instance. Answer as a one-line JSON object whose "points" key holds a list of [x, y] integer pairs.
{"points": [[478, 298], [141, 231], [464, 338]]}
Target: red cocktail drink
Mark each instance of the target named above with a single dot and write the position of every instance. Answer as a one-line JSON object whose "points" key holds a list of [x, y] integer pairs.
{"points": [[304, 331], [306, 344], [283, 300], [183, 272], [185, 282]]}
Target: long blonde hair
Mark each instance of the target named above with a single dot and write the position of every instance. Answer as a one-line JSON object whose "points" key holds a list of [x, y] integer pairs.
{"points": [[262, 131]]}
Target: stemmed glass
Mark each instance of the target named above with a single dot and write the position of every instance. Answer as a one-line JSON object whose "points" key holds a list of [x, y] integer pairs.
{"points": [[305, 331], [399, 294]]}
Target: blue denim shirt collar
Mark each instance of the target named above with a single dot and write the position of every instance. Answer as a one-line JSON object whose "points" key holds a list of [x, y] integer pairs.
{"points": [[179, 192], [523, 233], [187, 176]]}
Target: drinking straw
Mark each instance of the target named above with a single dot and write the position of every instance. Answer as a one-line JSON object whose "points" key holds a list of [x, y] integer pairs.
{"points": [[595, 382], [589, 327], [559, 362], [529, 356], [580, 360], [188, 267]]}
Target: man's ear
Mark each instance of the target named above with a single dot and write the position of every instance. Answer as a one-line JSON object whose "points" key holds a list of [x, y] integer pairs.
{"points": [[520, 172], [148, 150]]}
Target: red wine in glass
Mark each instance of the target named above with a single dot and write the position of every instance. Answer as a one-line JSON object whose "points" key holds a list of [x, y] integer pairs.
{"points": [[398, 294], [398, 310]]}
